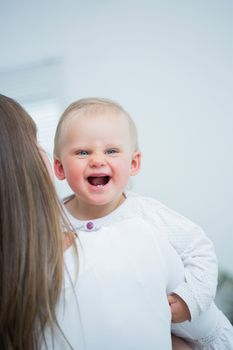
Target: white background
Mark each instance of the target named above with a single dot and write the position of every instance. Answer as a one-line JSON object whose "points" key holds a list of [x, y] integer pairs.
{"points": [[169, 63]]}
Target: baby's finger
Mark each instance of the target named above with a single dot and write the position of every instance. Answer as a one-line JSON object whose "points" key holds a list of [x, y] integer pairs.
{"points": [[171, 299]]}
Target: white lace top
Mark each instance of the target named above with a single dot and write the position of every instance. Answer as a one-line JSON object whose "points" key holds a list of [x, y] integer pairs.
{"points": [[114, 296], [189, 240]]}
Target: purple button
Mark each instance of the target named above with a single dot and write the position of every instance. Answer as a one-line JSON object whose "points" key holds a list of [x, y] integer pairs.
{"points": [[90, 225]]}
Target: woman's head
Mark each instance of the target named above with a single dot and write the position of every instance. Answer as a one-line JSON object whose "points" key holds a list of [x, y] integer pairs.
{"points": [[30, 235]]}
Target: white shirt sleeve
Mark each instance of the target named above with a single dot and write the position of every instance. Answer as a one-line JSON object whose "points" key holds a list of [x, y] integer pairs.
{"points": [[195, 250]]}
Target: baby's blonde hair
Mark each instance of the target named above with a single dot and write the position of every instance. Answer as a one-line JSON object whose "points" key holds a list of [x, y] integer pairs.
{"points": [[93, 105]]}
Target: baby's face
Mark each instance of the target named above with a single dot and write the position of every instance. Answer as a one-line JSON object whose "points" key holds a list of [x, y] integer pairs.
{"points": [[97, 157]]}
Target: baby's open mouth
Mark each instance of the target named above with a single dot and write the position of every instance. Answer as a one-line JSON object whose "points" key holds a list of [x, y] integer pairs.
{"points": [[98, 180]]}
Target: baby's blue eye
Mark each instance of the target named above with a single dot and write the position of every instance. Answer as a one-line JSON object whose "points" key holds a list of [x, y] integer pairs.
{"points": [[111, 151], [82, 154]]}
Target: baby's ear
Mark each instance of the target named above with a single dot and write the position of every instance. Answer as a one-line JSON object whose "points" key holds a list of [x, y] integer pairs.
{"points": [[58, 169], [135, 163]]}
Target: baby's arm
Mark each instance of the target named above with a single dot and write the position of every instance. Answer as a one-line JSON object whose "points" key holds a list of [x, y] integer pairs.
{"points": [[200, 267], [196, 251]]}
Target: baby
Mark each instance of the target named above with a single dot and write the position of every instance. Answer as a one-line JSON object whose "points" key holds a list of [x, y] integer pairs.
{"points": [[96, 151]]}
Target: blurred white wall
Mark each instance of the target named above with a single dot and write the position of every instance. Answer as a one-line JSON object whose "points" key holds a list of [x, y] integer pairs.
{"points": [[169, 63]]}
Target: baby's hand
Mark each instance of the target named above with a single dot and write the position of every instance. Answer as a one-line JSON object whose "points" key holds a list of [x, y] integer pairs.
{"points": [[179, 309]]}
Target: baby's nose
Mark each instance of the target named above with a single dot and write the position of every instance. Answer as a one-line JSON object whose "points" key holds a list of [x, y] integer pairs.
{"points": [[97, 160]]}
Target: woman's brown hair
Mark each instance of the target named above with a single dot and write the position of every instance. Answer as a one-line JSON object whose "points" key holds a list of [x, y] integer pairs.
{"points": [[31, 255]]}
